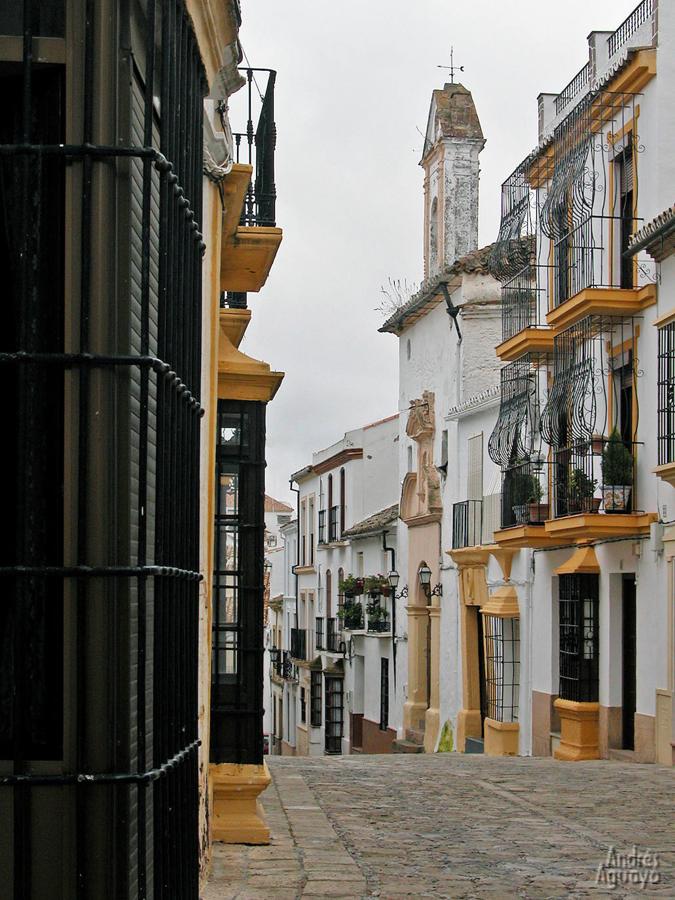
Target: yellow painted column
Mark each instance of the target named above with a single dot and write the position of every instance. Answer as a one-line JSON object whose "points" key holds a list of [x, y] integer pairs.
{"points": [[415, 707], [432, 717]]}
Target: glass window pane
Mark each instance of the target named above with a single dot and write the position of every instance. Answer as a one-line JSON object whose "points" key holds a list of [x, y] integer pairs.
{"points": [[227, 605], [228, 499], [227, 548]]}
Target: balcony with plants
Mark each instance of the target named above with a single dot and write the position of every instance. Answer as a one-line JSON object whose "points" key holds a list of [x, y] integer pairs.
{"points": [[378, 614], [591, 425], [517, 446], [591, 211]]}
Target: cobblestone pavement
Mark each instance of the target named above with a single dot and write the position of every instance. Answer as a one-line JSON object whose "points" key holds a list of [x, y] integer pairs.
{"points": [[449, 825]]}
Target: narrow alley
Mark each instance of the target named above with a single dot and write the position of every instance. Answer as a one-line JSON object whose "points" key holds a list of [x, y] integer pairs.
{"points": [[455, 825]]}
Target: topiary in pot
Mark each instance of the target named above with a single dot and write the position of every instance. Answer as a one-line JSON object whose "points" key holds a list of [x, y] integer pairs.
{"points": [[581, 490], [617, 474]]}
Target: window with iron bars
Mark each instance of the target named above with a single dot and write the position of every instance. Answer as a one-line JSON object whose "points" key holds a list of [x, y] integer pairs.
{"points": [[303, 705], [666, 394], [578, 611], [501, 638], [105, 461], [315, 698], [384, 693]]}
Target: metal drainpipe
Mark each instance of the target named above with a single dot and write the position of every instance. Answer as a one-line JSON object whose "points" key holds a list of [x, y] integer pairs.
{"points": [[297, 546], [393, 602]]}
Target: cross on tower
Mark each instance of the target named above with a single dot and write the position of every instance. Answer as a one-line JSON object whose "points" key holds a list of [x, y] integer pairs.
{"points": [[453, 68]]}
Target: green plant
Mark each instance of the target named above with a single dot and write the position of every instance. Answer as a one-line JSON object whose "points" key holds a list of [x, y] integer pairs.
{"points": [[351, 586], [376, 613], [617, 461], [376, 584], [581, 485], [525, 488]]}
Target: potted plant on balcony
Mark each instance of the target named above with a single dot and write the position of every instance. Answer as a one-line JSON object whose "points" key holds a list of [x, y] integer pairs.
{"points": [[580, 494], [377, 616], [617, 474], [351, 586], [526, 492], [377, 585], [351, 614]]}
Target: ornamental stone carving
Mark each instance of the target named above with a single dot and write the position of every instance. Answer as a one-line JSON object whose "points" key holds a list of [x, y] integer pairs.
{"points": [[421, 494]]}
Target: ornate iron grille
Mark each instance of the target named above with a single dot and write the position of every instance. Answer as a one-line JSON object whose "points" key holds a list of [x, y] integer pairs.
{"points": [[576, 85], [628, 27], [591, 418], [257, 148], [666, 401], [238, 584], [516, 435], [384, 693], [103, 387], [579, 609], [514, 248], [502, 667], [315, 698], [589, 213], [467, 523], [523, 300]]}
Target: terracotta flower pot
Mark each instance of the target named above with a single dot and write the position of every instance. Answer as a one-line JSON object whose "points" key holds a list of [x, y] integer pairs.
{"points": [[616, 497]]}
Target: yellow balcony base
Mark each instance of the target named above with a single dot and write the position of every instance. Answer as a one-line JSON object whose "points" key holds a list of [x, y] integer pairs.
{"points": [[234, 322], [524, 536], [247, 257], [593, 526], [534, 341], [578, 730], [601, 301], [500, 738], [236, 813]]}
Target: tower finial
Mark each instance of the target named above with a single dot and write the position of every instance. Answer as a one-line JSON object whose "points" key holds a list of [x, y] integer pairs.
{"points": [[453, 68]]}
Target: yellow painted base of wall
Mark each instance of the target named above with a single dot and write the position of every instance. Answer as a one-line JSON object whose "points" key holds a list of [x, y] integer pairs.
{"points": [[579, 732], [468, 725], [414, 716], [500, 738], [236, 813]]}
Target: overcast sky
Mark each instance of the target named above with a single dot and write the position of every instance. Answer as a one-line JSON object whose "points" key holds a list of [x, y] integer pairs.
{"points": [[354, 84]]}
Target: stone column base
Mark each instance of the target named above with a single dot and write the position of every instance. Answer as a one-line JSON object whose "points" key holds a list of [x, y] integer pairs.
{"points": [[414, 715], [579, 733], [432, 721], [500, 738], [468, 725], [236, 814]]}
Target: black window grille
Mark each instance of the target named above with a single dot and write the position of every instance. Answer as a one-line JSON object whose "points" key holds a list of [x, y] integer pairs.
{"points": [[384, 693], [322, 526], [334, 715], [502, 667], [666, 391], [315, 698], [319, 633], [333, 523], [103, 368], [332, 635], [467, 523], [579, 610], [238, 579], [303, 705]]}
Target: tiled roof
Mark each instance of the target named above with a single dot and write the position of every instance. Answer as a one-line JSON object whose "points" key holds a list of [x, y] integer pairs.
{"points": [[657, 236], [376, 522], [272, 505], [474, 263]]}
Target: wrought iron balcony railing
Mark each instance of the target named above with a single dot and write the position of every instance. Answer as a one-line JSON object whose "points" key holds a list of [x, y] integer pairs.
{"points": [[573, 89], [352, 615], [299, 643], [379, 626], [525, 491], [467, 523], [586, 481], [333, 523], [628, 27], [322, 526], [256, 147], [524, 300]]}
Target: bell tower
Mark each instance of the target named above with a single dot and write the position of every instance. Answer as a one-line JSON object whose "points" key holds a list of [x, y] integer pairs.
{"points": [[453, 141]]}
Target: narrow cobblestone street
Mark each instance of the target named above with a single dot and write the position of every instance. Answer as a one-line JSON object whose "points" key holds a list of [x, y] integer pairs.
{"points": [[451, 826]]}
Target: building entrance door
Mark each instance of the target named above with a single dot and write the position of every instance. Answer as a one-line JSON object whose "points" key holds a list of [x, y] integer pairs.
{"points": [[628, 670], [334, 715], [475, 744]]}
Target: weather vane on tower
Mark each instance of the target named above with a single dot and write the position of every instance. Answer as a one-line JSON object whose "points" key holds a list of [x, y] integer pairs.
{"points": [[453, 68]]}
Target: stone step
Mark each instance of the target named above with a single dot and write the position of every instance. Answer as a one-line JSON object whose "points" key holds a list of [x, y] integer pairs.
{"points": [[473, 745], [406, 746], [621, 755], [416, 737]]}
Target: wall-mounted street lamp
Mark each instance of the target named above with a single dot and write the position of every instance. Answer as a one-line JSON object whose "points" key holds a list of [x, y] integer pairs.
{"points": [[393, 577], [424, 575]]}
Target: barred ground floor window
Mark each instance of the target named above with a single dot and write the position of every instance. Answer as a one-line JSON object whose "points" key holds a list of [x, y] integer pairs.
{"points": [[578, 622], [501, 638]]}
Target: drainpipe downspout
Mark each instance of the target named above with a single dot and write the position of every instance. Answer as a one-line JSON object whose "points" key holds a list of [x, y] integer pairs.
{"points": [[393, 603]]}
